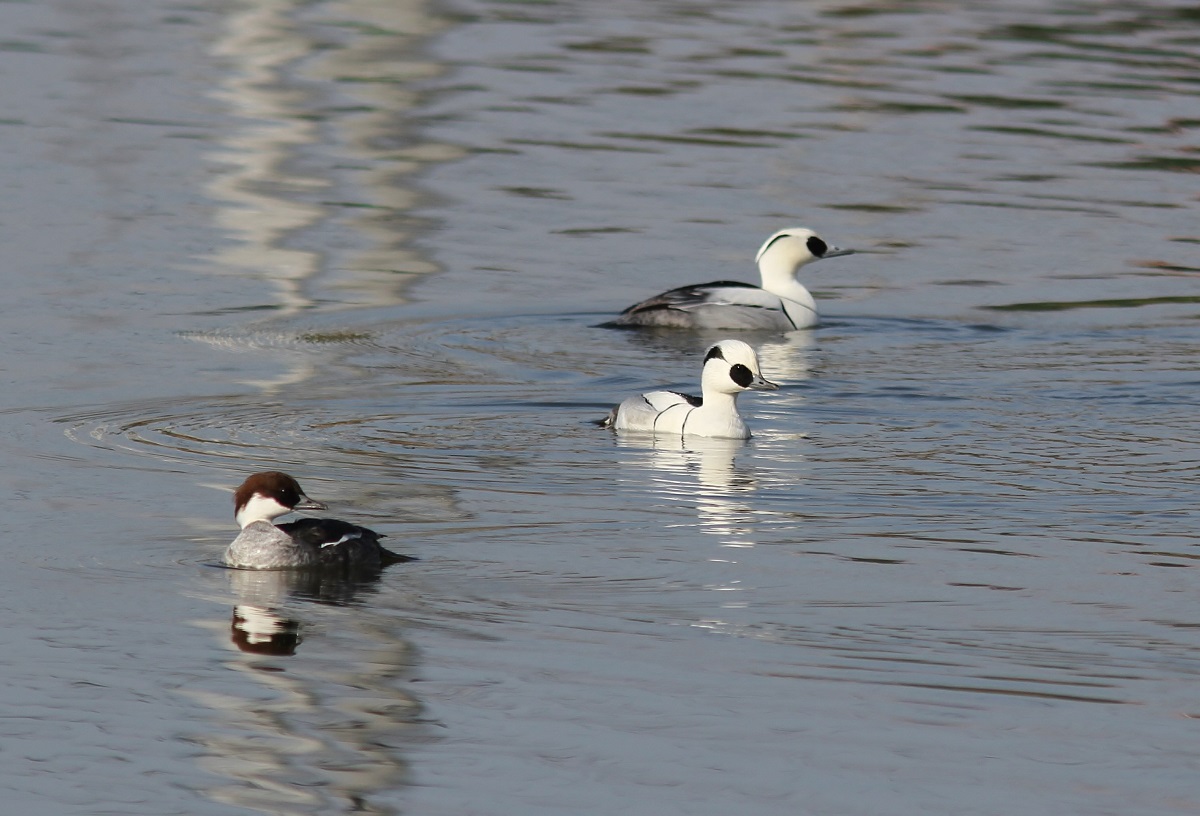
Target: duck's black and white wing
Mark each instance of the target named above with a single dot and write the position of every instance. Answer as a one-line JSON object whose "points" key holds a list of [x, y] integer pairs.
{"points": [[322, 533], [716, 305], [640, 413], [340, 542], [659, 401]]}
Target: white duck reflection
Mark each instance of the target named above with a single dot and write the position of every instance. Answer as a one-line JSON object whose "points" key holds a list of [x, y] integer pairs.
{"points": [[703, 470]]}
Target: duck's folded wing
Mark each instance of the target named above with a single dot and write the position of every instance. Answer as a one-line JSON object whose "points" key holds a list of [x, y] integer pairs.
{"points": [[660, 401], [326, 532], [706, 294]]}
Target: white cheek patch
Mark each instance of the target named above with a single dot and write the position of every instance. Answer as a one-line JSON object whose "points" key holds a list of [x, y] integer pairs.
{"points": [[262, 508]]}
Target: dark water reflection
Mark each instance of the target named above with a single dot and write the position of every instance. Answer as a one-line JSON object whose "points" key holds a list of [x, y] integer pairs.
{"points": [[312, 729], [369, 243]]}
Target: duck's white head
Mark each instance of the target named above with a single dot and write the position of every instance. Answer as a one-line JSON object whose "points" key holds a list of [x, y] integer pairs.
{"points": [[268, 495], [730, 367], [782, 255]]}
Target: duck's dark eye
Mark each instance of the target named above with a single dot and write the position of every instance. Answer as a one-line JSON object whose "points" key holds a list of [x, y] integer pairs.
{"points": [[817, 247], [741, 375]]}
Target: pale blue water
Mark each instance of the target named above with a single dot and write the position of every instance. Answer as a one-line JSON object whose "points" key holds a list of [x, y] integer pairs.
{"points": [[368, 244]]}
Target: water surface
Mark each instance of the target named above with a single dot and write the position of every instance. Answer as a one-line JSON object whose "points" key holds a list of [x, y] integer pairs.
{"points": [[368, 244]]}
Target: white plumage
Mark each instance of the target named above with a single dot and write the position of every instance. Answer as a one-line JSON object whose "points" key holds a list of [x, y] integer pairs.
{"points": [[781, 303], [730, 367]]}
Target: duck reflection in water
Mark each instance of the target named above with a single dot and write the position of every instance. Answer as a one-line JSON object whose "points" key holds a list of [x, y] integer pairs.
{"points": [[260, 626], [704, 472]]}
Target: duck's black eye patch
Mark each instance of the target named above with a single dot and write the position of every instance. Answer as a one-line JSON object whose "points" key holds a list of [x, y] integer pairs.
{"points": [[714, 353], [817, 247], [741, 375]]}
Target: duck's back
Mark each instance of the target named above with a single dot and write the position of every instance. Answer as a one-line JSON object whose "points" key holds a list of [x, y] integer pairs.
{"points": [[652, 411], [716, 305], [308, 543], [340, 543], [262, 545]]}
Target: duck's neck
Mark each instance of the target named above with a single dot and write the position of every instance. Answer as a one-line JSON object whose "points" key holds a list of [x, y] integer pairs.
{"points": [[245, 521], [779, 278], [718, 404], [259, 508], [714, 400], [717, 416]]}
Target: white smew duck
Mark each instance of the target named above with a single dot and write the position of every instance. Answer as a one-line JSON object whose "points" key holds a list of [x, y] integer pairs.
{"points": [[730, 367], [781, 303]]}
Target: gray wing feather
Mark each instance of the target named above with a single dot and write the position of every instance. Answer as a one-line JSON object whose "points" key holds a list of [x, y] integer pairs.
{"points": [[720, 304]]}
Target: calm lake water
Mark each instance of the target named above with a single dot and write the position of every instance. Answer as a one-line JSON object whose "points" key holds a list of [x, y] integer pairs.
{"points": [[368, 243]]}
